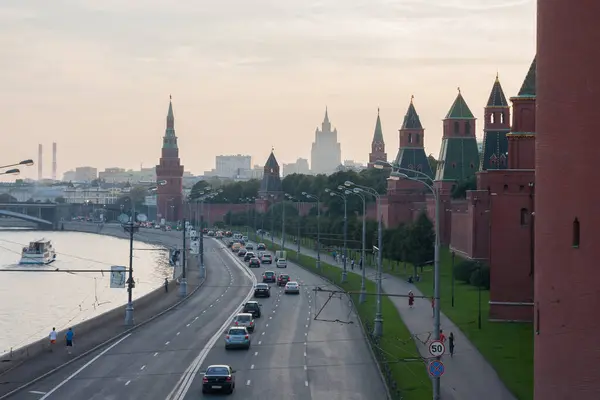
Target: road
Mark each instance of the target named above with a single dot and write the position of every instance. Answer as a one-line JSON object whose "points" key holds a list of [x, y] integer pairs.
{"points": [[292, 353]]}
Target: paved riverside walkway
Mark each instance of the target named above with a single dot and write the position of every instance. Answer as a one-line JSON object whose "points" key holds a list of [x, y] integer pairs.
{"points": [[468, 375]]}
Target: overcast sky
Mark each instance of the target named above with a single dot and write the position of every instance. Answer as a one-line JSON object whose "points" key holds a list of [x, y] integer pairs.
{"points": [[95, 76]]}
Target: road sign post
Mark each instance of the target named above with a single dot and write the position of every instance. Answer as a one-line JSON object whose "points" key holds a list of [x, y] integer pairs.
{"points": [[436, 368], [437, 348]]}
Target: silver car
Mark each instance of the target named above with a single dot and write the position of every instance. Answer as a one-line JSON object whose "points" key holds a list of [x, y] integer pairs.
{"points": [[246, 320], [292, 287], [237, 336]]}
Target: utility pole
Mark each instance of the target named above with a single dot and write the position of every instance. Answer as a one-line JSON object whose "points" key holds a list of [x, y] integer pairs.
{"points": [[345, 271], [201, 232], [183, 283], [130, 283], [283, 223]]}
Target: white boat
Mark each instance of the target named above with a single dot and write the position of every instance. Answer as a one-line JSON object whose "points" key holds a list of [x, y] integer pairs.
{"points": [[38, 252]]}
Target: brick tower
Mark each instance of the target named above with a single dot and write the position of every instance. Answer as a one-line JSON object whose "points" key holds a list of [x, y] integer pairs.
{"points": [[377, 145], [567, 218], [521, 139], [496, 126], [271, 189], [459, 155], [170, 196], [411, 153]]}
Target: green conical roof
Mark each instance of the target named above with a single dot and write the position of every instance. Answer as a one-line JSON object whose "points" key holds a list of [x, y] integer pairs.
{"points": [[378, 135], [170, 139], [528, 89], [459, 109], [411, 118], [271, 161], [497, 98]]}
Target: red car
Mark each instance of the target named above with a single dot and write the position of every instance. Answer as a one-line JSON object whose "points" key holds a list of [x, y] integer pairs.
{"points": [[283, 279]]}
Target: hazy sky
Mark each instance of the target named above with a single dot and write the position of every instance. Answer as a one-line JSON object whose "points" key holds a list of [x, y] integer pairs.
{"points": [[95, 75]]}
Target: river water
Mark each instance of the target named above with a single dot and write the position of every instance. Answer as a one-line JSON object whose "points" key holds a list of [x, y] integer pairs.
{"points": [[31, 303]]}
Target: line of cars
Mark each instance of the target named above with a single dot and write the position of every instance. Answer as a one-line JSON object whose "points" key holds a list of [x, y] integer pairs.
{"points": [[221, 378]]}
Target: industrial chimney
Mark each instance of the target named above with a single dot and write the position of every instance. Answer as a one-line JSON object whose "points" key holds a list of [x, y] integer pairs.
{"points": [[40, 162], [54, 161]]}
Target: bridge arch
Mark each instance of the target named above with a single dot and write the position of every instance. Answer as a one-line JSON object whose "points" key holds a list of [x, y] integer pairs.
{"points": [[25, 217]]}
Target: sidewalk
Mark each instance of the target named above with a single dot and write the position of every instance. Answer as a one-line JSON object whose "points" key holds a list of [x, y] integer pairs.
{"points": [[46, 361], [467, 375]]}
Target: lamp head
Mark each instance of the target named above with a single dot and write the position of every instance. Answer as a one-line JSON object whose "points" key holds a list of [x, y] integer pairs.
{"points": [[327, 190], [332, 194], [341, 187], [304, 194], [393, 178], [347, 192], [357, 190], [28, 163], [398, 175], [13, 171], [161, 183], [348, 183]]}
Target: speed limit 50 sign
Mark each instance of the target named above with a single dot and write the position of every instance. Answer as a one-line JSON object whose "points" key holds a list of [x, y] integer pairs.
{"points": [[437, 348]]}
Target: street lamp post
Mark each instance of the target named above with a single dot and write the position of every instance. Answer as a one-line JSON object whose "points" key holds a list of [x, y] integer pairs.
{"points": [[363, 288], [204, 195], [378, 323], [421, 177], [345, 252], [183, 282], [283, 222], [292, 198], [311, 196]]}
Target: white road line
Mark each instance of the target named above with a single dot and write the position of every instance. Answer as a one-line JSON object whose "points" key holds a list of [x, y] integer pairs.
{"points": [[259, 342], [306, 383], [305, 334], [256, 353], [155, 354], [127, 383], [143, 366], [36, 392], [74, 374], [266, 325], [211, 305], [188, 325], [195, 318], [178, 333], [306, 326], [305, 367], [167, 343], [252, 366], [248, 382], [271, 317], [308, 319]]}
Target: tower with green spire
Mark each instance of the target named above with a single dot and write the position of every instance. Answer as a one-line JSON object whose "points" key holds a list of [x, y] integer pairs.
{"points": [[377, 144], [496, 127], [411, 152], [459, 154], [170, 170]]}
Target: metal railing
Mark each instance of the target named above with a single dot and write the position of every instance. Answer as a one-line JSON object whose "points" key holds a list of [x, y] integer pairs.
{"points": [[384, 364]]}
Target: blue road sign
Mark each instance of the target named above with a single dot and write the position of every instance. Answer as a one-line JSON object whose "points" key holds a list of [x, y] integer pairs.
{"points": [[436, 368]]}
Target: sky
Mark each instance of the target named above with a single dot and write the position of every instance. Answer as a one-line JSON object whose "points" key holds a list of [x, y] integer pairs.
{"points": [[245, 76]]}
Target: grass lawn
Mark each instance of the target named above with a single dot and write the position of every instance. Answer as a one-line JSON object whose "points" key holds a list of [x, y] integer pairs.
{"points": [[507, 346], [398, 355]]}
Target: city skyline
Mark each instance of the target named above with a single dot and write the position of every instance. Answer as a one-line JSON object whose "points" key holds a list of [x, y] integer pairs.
{"points": [[102, 93]]}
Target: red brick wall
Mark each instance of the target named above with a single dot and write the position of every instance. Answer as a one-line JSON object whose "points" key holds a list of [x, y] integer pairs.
{"points": [[462, 230]]}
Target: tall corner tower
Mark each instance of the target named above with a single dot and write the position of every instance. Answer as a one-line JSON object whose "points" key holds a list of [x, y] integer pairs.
{"points": [[271, 181], [411, 152], [326, 152], [169, 169], [459, 154], [521, 139], [496, 127], [566, 202], [377, 144]]}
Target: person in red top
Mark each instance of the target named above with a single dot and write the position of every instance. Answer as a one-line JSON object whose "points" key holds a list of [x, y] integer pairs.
{"points": [[442, 336], [411, 299]]}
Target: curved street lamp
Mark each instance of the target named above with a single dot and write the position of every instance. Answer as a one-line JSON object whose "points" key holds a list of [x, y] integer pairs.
{"points": [[378, 323], [333, 193], [13, 171], [402, 173], [27, 163], [312, 196]]}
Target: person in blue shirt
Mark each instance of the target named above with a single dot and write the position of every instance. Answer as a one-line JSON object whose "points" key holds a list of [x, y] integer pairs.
{"points": [[69, 339]]}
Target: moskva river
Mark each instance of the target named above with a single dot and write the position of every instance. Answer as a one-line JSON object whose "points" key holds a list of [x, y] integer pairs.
{"points": [[31, 303]]}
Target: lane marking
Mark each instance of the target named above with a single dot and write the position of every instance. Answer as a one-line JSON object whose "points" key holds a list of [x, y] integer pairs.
{"points": [[143, 366], [127, 383], [256, 353], [188, 325], [252, 366], [306, 383], [259, 342], [248, 382], [197, 317], [36, 392], [304, 354], [178, 333], [305, 367], [93, 360], [263, 333], [167, 343], [155, 354], [266, 325]]}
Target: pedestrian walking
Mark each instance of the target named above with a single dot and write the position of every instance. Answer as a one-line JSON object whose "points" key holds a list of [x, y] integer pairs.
{"points": [[352, 264], [451, 343], [166, 285], [442, 336], [69, 340], [52, 337], [411, 299], [360, 263]]}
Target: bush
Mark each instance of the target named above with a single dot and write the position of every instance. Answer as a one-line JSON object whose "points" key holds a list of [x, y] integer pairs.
{"points": [[480, 277], [464, 269]]}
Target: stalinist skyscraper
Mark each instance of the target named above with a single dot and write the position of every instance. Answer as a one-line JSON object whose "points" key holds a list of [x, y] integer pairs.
{"points": [[326, 153]]}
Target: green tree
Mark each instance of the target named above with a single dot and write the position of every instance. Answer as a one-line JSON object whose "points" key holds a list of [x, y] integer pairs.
{"points": [[136, 194], [460, 190], [433, 162], [420, 241]]}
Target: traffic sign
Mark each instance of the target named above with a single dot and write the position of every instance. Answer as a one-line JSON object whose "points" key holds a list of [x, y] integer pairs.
{"points": [[436, 368], [437, 348]]}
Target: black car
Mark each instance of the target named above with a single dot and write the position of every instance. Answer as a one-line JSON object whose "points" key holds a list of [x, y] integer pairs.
{"points": [[218, 378], [262, 290], [254, 263], [269, 276], [241, 252], [261, 246], [253, 308], [249, 255]]}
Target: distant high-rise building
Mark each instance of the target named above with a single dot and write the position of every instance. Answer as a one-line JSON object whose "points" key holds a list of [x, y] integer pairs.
{"points": [[298, 167], [169, 169], [85, 174], [232, 166], [326, 154]]}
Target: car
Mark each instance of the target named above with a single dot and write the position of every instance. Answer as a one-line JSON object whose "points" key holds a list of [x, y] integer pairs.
{"points": [[266, 259], [252, 307], [292, 287], [244, 319], [261, 246], [249, 246], [254, 263], [281, 263], [218, 378], [241, 252], [249, 255], [245, 238], [211, 233], [283, 279], [262, 290], [269, 276], [237, 336]]}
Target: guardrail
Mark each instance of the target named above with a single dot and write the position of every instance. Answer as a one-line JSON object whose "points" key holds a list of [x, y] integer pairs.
{"points": [[384, 365]]}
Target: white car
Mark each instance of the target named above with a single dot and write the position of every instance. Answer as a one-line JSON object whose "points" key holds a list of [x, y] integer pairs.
{"points": [[281, 263], [292, 287]]}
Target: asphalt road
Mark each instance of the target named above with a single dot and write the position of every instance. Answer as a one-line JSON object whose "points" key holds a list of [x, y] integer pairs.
{"points": [[293, 355]]}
